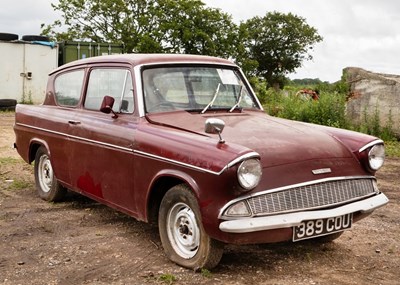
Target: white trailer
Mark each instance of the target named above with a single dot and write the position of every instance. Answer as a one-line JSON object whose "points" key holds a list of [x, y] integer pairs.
{"points": [[24, 67]]}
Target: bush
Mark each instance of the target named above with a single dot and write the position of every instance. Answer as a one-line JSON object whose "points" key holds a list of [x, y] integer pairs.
{"points": [[329, 110], [373, 126]]}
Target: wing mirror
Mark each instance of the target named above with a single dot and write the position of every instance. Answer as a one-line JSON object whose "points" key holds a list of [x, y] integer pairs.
{"points": [[215, 126], [107, 105]]}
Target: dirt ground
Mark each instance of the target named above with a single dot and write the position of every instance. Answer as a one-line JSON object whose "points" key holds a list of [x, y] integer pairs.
{"points": [[82, 242]]}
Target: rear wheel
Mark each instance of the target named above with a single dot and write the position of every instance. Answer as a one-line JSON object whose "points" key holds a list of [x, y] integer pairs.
{"points": [[184, 240], [47, 186]]}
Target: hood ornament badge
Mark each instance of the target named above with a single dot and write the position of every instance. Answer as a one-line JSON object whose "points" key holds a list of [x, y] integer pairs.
{"points": [[321, 171]]}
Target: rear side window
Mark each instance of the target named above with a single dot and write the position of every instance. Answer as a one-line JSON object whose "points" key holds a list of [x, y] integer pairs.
{"points": [[68, 87], [114, 82]]}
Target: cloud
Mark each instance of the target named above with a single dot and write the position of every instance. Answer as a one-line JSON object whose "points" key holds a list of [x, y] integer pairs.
{"points": [[359, 33], [24, 17]]}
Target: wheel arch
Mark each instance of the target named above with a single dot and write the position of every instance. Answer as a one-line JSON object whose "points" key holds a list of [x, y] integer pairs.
{"points": [[162, 182], [34, 145]]}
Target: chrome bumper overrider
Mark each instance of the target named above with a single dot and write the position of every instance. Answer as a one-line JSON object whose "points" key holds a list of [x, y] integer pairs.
{"points": [[293, 219]]}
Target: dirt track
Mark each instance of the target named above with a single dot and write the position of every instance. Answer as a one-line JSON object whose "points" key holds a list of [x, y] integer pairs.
{"points": [[82, 242]]}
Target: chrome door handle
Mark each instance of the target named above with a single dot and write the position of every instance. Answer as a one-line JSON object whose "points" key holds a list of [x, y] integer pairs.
{"points": [[72, 122]]}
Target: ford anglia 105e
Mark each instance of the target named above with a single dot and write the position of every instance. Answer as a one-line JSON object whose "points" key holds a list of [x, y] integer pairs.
{"points": [[182, 141]]}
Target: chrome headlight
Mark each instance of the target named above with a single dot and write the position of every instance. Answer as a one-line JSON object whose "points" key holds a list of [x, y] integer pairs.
{"points": [[249, 173], [376, 156]]}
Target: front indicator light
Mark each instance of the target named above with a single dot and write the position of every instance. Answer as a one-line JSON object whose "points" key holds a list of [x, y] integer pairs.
{"points": [[238, 210]]}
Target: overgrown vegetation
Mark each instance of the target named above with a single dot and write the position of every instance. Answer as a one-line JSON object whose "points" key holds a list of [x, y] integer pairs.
{"points": [[20, 184], [27, 99], [392, 148], [329, 109], [9, 160]]}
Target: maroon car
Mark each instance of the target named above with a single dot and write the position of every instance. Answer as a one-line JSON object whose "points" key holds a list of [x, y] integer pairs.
{"points": [[182, 141]]}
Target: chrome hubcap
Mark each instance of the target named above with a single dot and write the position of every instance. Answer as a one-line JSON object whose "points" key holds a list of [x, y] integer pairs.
{"points": [[183, 231], [45, 173]]}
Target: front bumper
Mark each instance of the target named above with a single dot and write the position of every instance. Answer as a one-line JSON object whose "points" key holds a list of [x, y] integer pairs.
{"points": [[248, 225]]}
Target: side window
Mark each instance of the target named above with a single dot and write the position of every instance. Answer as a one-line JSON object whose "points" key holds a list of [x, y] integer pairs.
{"points": [[113, 82], [68, 87]]}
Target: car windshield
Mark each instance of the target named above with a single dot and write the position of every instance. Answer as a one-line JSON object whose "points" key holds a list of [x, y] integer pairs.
{"points": [[195, 88]]}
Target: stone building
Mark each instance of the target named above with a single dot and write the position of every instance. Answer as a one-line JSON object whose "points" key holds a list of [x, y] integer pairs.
{"points": [[374, 94]]}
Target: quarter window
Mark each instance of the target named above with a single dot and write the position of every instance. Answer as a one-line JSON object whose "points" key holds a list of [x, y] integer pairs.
{"points": [[116, 83], [68, 87]]}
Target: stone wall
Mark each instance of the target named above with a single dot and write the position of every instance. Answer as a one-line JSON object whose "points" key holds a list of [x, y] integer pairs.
{"points": [[373, 93]]}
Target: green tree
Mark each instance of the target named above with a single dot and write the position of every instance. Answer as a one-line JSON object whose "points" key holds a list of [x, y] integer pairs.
{"points": [[275, 45], [183, 26], [190, 27]]}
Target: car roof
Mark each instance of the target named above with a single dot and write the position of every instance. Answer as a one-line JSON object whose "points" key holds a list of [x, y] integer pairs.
{"points": [[143, 59]]}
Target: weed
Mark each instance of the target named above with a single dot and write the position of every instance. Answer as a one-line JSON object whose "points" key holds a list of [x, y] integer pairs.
{"points": [[372, 125], [206, 273], [28, 100], [392, 148], [19, 184], [167, 278], [9, 160]]}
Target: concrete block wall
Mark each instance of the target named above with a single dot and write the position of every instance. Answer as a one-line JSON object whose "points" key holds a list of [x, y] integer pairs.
{"points": [[371, 93]]}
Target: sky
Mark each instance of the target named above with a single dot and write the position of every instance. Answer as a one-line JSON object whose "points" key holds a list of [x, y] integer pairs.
{"points": [[360, 33]]}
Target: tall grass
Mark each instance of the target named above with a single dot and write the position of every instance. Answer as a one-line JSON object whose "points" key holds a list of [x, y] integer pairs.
{"points": [[329, 110]]}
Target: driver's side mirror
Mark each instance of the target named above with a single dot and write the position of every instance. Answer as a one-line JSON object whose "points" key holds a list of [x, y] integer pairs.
{"points": [[107, 105], [215, 126]]}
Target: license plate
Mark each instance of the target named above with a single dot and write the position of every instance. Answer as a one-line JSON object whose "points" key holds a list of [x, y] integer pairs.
{"points": [[321, 227]]}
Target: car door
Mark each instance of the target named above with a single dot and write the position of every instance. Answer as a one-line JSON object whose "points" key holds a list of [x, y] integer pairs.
{"points": [[68, 86], [101, 144]]}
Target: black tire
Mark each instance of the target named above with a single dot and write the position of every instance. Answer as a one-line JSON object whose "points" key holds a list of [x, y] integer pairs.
{"points": [[47, 186], [182, 235], [8, 102], [31, 38], [8, 37]]}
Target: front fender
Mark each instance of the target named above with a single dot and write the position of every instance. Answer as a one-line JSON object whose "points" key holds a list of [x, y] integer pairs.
{"points": [[176, 175]]}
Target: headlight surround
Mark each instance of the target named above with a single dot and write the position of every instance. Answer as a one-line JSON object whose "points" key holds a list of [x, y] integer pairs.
{"points": [[249, 173], [376, 156]]}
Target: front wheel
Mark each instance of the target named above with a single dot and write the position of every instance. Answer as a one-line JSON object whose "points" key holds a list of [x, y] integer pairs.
{"points": [[182, 235], [47, 186]]}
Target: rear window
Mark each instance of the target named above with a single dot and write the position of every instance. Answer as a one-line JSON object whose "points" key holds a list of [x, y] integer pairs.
{"points": [[68, 87]]}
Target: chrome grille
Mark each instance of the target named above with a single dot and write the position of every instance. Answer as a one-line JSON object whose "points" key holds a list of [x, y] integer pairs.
{"points": [[318, 195]]}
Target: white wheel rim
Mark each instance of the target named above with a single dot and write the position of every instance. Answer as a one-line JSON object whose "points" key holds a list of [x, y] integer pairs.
{"points": [[183, 231], [45, 173]]}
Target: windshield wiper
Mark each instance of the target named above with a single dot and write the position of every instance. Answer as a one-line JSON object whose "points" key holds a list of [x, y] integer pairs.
{"points": [[239, 99], [212, 100]]}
